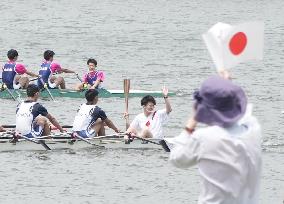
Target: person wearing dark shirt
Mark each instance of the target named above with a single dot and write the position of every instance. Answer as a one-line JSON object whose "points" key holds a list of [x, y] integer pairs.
{"points": [[90, 118], [32, 119]]}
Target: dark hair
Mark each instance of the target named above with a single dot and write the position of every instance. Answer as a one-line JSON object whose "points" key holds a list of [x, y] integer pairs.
{"points": [[147, 99], [91, 60], [91, 94], [48, 54], [32, 89], [12, 54]]}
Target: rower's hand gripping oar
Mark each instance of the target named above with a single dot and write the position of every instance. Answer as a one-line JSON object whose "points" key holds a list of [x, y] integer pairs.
{"points": [[126, 86], [46, 88]]}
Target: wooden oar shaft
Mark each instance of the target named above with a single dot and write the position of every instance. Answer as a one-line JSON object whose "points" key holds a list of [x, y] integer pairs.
{"points": [[126, 86]]}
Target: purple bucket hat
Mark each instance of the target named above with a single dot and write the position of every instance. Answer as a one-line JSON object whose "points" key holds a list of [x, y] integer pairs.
{"points": [[219, 102]]}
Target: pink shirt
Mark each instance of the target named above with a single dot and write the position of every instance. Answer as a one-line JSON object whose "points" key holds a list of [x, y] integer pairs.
{"points": [[55, 67], [101, 76], [20, 68]]}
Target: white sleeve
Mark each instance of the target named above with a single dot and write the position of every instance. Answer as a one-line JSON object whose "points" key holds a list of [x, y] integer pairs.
{"points": [[164, 116], [185, 150]]}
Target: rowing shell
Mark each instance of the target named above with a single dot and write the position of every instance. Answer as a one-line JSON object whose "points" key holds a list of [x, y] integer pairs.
{"points": [[62, 142], [103, 93]]}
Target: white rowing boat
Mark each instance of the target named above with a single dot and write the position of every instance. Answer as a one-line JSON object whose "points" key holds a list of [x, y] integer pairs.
{"points": [[66, 142]]}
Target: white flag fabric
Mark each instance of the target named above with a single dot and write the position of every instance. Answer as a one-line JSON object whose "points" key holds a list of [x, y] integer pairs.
{"points": [[230, 45]]}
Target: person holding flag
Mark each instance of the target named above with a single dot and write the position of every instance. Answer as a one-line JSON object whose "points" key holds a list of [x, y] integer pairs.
{"points": [[228, 151]]}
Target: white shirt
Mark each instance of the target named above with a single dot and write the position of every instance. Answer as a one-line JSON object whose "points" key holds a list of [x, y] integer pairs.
{"points": [[154, 122], [84, 117], [228, 159]]}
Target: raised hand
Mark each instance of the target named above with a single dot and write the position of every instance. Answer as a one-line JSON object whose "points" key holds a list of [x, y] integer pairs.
{"points": [[165, 91]]}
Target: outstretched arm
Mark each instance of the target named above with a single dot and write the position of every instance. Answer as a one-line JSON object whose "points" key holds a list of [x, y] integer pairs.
{"points": [[32, 74], [110, 124], [166, 97], [67, 71], [54, 122], [97, 82]]}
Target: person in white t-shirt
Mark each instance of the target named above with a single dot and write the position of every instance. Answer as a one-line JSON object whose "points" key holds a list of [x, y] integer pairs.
{"points": [[149, 123], [228, 151]]}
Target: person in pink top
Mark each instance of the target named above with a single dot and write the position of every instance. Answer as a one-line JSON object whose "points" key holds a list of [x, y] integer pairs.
{"points": [[92, 79], [47, 71], [12, 72]]}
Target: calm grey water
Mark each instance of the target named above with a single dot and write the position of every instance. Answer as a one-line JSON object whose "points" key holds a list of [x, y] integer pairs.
{"points": [[153, 43]]}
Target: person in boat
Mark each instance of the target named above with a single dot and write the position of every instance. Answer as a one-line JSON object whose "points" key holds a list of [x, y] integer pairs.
{"points": [[227, 151], [90, 119], [149, 123], [12, 72], [32, 119], [47, 71], [92, 79]]}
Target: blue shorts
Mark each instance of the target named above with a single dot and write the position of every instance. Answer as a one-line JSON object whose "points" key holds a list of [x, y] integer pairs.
{"points": [[36, 131], [86, 134]]}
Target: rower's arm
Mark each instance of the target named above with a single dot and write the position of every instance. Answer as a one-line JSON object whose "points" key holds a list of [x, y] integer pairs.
{"points": [[67, 71], [97, 82], [166, 97], [32, 74], [111, 125], [54, 122], [168, 105]]}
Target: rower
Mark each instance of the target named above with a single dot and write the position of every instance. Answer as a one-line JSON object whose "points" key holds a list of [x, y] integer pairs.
{"points": [[50, 68], [92, 79], [149, 123], [90, 119], [32, 119], [12, 71]]}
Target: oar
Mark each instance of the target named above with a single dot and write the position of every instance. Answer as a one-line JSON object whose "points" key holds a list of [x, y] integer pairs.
{"points": [[33, 140], [85, 140], [161, 142], [77, 75], [10, 93], [126, 86], [14, 126], [47, 89]]}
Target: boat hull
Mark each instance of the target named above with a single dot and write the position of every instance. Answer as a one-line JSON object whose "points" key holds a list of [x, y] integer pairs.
{"points": [[62, 144], [103, 93]]}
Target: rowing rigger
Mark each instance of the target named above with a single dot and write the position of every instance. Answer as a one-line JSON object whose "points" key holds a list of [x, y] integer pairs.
{"points": [[66, 141]]}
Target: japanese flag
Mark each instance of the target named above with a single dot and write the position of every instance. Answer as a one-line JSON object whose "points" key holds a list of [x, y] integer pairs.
{"points": [[230, 45]]}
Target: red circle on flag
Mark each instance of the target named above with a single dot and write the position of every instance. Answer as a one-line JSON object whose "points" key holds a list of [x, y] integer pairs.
{"points": [[238, 43]]}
